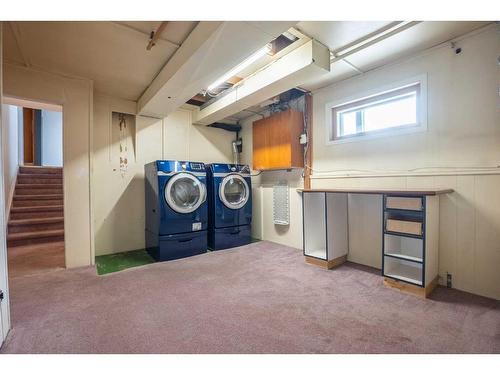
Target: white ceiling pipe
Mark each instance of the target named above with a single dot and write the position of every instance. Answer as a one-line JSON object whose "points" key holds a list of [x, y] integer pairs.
{"points": [[211, 49], [369, 40], [307, 61]]}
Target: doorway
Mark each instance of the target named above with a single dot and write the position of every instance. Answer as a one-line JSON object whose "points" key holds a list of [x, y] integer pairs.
{"points": [[33, 187], [41, 136]]}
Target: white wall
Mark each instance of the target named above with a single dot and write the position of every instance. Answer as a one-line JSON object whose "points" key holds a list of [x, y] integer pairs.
{"points": [[119, 200], [75, 96], [10, 143], [457, 151], [52, 138]]}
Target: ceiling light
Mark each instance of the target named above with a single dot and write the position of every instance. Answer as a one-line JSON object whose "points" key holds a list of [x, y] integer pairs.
{"points": [[238, 68]]}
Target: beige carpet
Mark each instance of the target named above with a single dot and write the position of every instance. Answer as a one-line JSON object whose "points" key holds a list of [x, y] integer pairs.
{"points": [[34, 259], [260, 298]]}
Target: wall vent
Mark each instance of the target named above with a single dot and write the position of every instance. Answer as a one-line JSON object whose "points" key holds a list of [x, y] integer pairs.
{"points": [[281, 204]]}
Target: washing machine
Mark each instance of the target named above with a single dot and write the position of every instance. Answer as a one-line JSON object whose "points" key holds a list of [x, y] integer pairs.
{"points": [[176, 209], [229, 205]]}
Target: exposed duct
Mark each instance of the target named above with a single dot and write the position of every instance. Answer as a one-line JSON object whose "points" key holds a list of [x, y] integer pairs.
{"points": [[211, 49], [291, 70]]}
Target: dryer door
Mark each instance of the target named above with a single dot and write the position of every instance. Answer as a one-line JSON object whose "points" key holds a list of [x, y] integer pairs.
{"points": [[234, 191], [184, 193]]}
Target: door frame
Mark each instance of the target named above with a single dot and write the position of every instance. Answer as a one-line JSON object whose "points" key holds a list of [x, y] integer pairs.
{"points": [[4, 279]]}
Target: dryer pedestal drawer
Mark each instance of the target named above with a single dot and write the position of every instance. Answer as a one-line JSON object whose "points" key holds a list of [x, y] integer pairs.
{"points": [[225, 238], [177, 246]]}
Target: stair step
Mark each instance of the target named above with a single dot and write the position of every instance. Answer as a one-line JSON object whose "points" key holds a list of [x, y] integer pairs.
{"points": [[38, 191], [23, 178], [36, 234], [42, 180], [35, 224], [40, 170], [36, 209], [39, 186], [45, 220], [28, 197], [18, 239], [50, 176], [37, 202], [33, 212]]}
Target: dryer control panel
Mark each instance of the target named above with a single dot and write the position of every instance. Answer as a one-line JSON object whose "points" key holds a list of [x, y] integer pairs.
{"points": [[228, 168]]}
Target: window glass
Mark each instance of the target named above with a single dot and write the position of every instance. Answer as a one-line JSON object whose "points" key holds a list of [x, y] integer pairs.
{"points": [[395, 109]]}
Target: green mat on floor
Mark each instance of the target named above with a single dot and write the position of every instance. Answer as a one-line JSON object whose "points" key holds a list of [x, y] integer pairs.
{"points": [[128, 259], [120, 261]]}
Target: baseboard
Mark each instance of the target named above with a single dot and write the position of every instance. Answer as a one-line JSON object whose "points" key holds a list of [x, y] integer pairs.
{"points": [[412, 289], [326, 264]]}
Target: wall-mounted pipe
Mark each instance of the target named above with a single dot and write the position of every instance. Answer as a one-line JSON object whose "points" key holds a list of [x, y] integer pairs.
{"points": [[370, 40]]}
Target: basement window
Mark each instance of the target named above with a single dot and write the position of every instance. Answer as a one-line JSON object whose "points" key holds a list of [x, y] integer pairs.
{"points": [[390, 112]]}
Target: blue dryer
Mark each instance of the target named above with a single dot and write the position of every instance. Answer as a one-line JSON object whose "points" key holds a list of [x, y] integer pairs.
{"points": [[229, 205], [176, 209]]}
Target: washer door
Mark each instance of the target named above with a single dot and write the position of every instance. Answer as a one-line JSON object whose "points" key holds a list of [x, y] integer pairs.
{"points": [[184, 193], [234, 191]]}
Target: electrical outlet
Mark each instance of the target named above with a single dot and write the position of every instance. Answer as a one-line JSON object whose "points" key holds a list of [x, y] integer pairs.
{"points": [[448, 280]]}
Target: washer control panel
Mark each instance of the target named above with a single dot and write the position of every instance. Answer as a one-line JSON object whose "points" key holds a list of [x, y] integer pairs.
{"points": [[197, 166]]}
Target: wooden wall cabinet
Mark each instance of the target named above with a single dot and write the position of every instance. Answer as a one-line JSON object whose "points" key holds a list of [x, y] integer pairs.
{"points": [[276, 141]]}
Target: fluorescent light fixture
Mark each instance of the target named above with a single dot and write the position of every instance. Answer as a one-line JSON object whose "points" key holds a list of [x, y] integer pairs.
{"points": [[238, 68]]}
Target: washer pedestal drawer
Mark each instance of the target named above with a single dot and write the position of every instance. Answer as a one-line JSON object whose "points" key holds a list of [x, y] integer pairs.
{"points": [[176, 246], [225, 238]]}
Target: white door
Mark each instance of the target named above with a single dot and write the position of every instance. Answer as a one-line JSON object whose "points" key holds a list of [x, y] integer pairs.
{"points": [[4, 303], [4, 300]]}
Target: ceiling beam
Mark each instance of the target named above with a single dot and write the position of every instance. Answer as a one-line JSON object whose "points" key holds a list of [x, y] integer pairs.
{"points": [[155, 35], [210, 50], [292, 70]]}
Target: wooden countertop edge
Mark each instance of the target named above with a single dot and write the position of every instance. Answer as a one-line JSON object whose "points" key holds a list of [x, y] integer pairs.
{"points": [[407, 192]]}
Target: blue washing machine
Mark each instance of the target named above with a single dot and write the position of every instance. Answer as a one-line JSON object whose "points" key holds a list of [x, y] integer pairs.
{"points": [[176, 209], [229, 205]]}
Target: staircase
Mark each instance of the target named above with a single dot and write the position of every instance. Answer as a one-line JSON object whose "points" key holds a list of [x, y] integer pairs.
{"points": [[37, 211]]}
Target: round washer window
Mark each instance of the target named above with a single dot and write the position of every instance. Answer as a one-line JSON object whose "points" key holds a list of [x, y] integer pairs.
{"points": [[234, 191], [184, 193]]}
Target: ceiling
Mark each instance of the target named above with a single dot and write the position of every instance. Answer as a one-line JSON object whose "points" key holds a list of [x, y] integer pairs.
{"points": [[337, 34], [417, 38], [112, 54]]}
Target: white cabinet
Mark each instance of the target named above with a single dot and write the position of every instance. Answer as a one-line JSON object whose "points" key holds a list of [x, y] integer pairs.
{"points": [[325, 228]]}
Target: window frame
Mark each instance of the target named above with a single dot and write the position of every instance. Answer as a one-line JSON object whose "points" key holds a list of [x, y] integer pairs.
{"points": [[378, 95]]}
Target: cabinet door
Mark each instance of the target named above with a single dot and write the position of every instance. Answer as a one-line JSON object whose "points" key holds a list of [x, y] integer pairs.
{"points": [[279, 149], [260, 144], [276, 141]]}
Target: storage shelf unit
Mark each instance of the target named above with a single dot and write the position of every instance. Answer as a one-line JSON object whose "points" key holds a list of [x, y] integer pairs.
{"points": [[409, 245], [410, 240], [325, 228]]}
